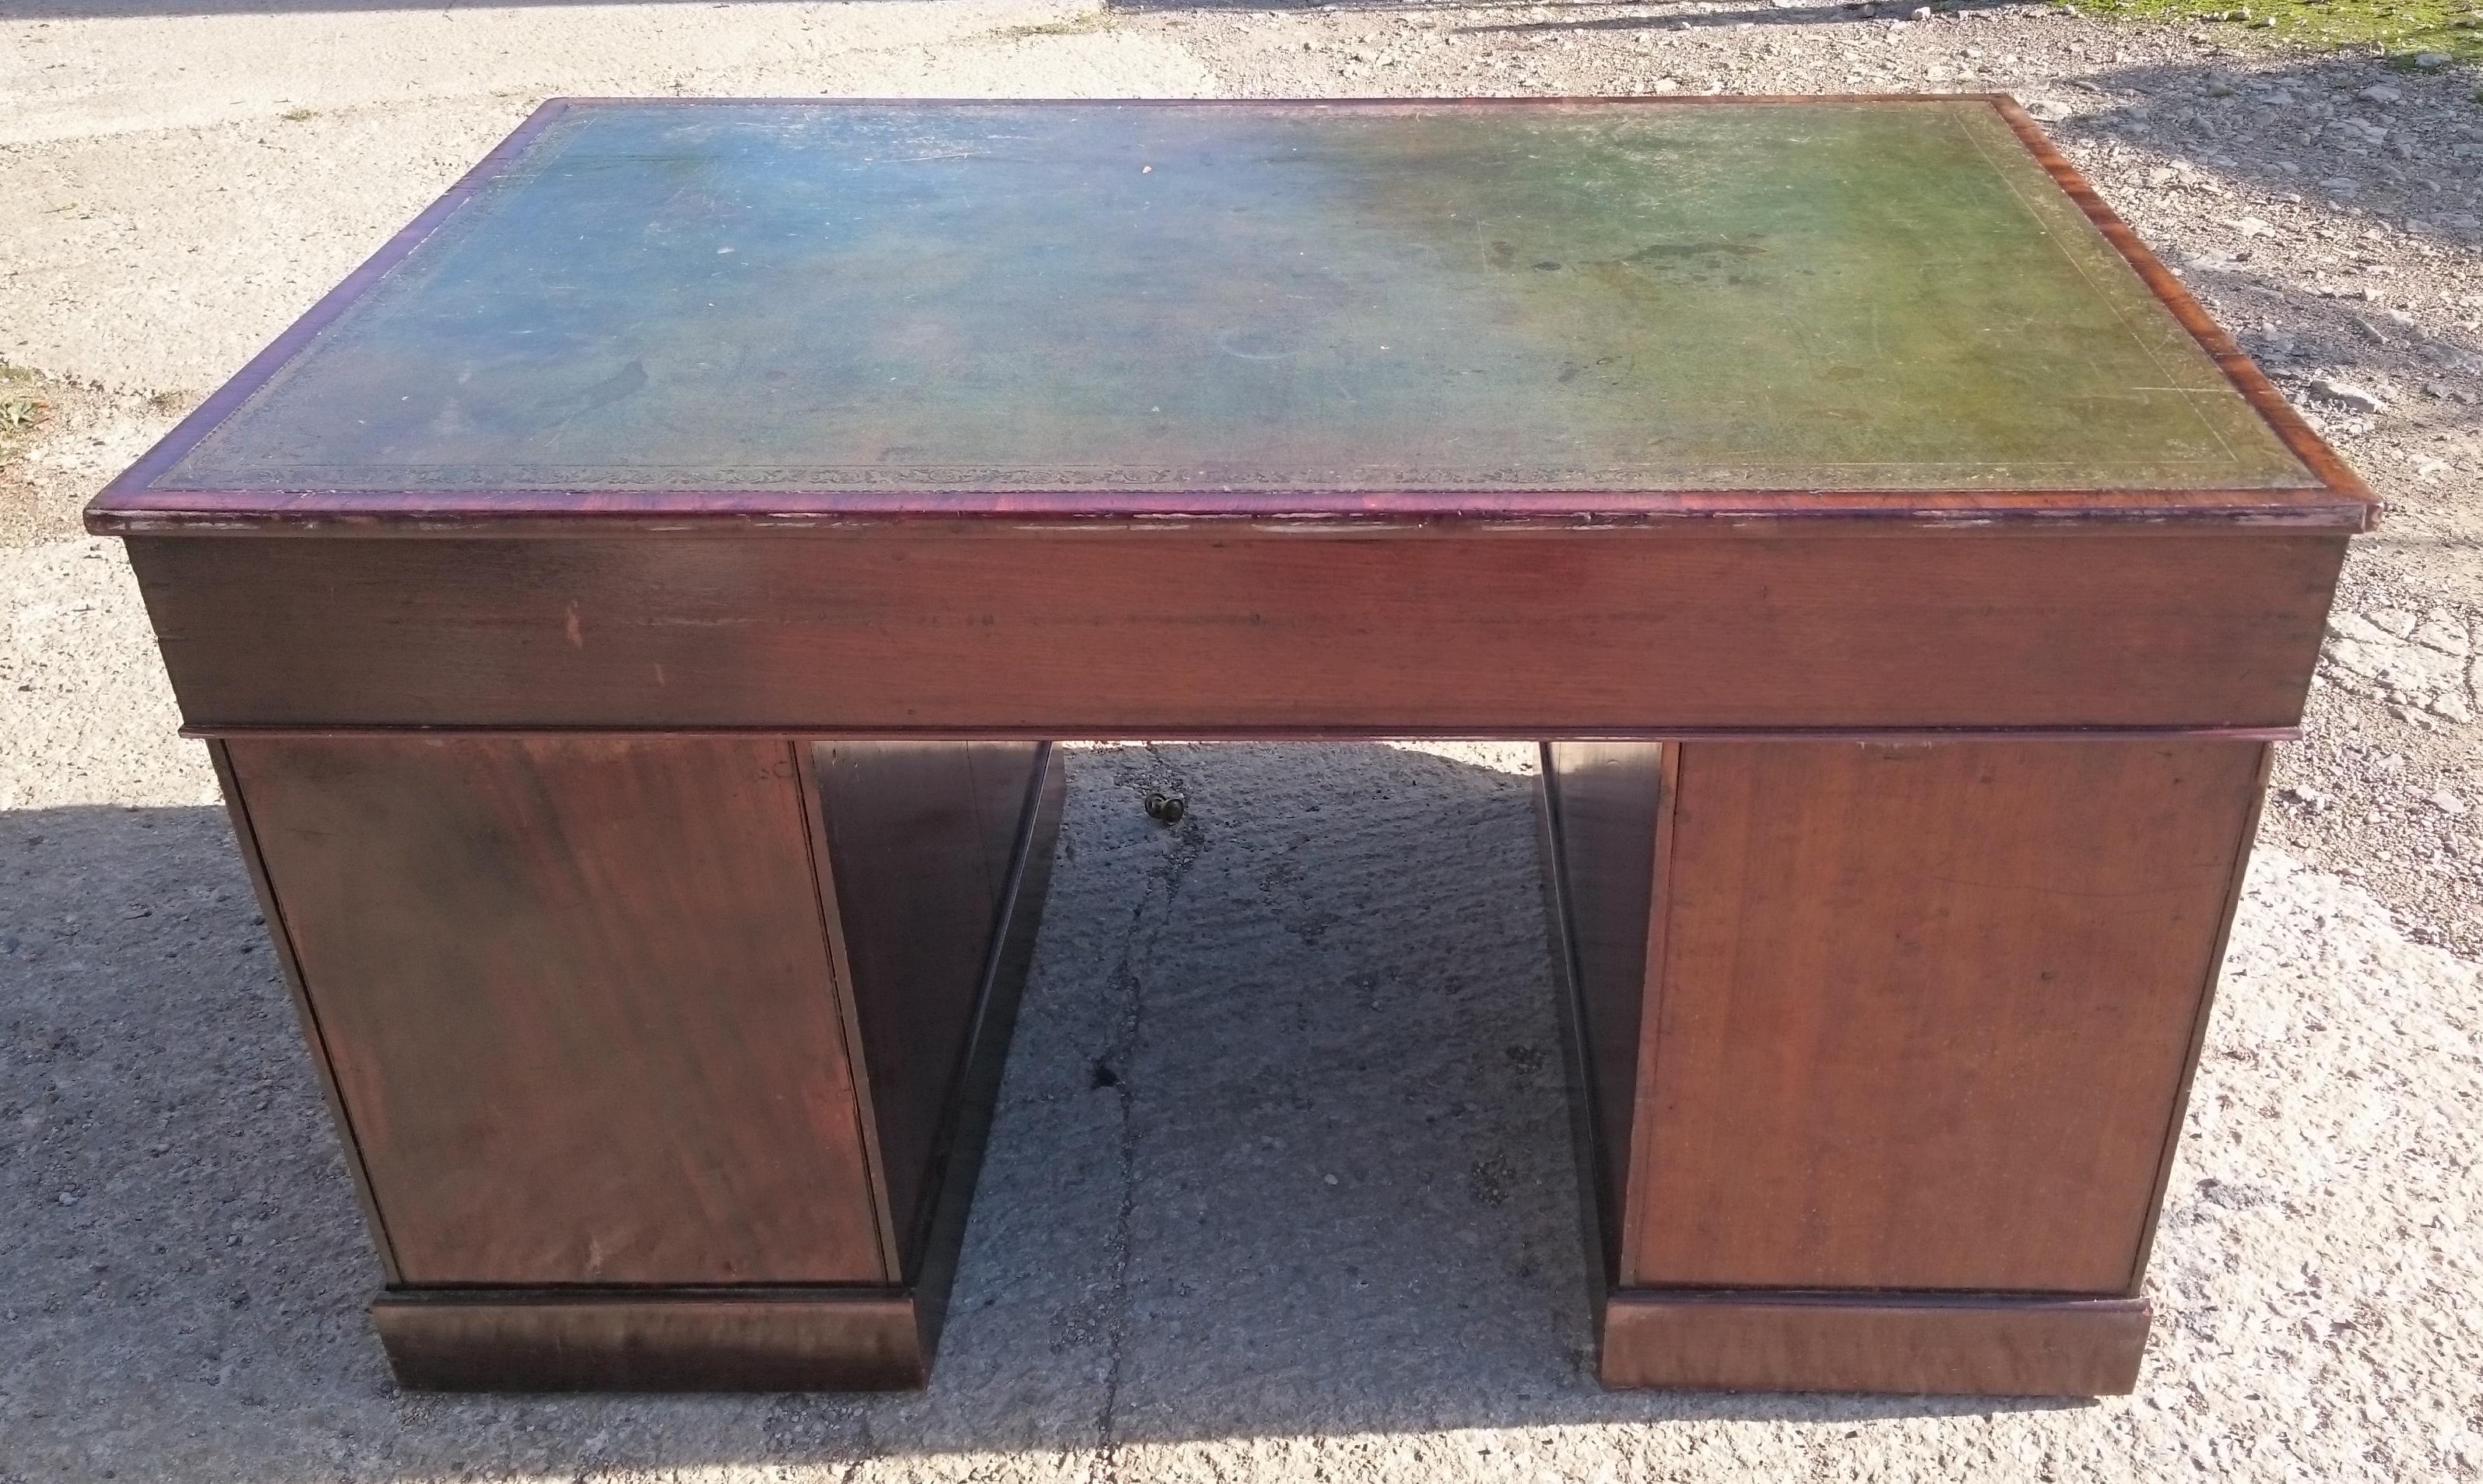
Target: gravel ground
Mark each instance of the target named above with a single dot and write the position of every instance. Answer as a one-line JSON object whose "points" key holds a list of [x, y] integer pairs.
{"points": [[1143, 1295]]}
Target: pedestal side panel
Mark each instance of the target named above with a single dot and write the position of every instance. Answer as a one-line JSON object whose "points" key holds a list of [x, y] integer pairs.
{"points": [[1606, 803], [919, 839]]}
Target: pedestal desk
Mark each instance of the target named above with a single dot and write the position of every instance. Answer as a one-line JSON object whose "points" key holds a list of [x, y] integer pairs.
{"points": [[632, 613]]}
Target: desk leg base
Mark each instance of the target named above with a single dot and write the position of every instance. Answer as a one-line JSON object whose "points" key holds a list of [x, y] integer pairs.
{"points": [[1880, 1050], [782, 1336], [551, 1339], [1907, 1343]]}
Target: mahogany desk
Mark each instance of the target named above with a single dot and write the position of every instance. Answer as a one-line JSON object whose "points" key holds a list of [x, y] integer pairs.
{"points": [[630, 615]]}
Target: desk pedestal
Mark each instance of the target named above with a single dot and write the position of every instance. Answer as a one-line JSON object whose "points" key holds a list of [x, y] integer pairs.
{"points": [[660, 1063], [1883, 1048]]}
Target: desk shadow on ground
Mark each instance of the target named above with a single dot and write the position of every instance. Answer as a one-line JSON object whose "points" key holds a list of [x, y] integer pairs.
{"points": [[1283, 1152]]}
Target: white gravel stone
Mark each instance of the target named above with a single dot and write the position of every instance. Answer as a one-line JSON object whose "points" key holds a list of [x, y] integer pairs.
{"points": [[2347, 394]]}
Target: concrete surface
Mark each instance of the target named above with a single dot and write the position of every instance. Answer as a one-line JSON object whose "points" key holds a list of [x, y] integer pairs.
{"points": [[1334, 967]]}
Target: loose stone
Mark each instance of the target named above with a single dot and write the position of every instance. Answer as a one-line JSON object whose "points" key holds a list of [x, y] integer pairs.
{"points": [[2349, 396]]}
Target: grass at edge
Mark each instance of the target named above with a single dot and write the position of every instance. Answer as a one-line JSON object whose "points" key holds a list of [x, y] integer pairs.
{"points": [[2401, 30]]}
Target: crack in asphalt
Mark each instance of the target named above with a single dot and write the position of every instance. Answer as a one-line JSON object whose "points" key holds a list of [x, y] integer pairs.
{"points": [[1163, 889]]}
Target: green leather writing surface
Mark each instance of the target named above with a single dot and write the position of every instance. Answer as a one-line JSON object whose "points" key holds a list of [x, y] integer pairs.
{"points": [[1274, 297]]}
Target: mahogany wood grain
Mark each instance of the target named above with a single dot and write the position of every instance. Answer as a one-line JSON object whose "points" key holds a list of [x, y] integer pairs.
{"points": [[1994, 1346], [578, 1002], [760, 1337], [1004, 775], [930, 1260], [1195, 633], [552, 1340], [1599, 1179], [246, 837], [1925, 1013], [1607, 804], [919, 836], [2198, 1027]]}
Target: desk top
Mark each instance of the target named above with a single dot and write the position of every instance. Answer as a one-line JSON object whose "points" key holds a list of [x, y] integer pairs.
{"points": [[789, 313]]}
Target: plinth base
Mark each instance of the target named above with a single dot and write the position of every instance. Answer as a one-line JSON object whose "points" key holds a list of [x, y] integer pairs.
{"points": [[1996, 1346], [551, 1339]]}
